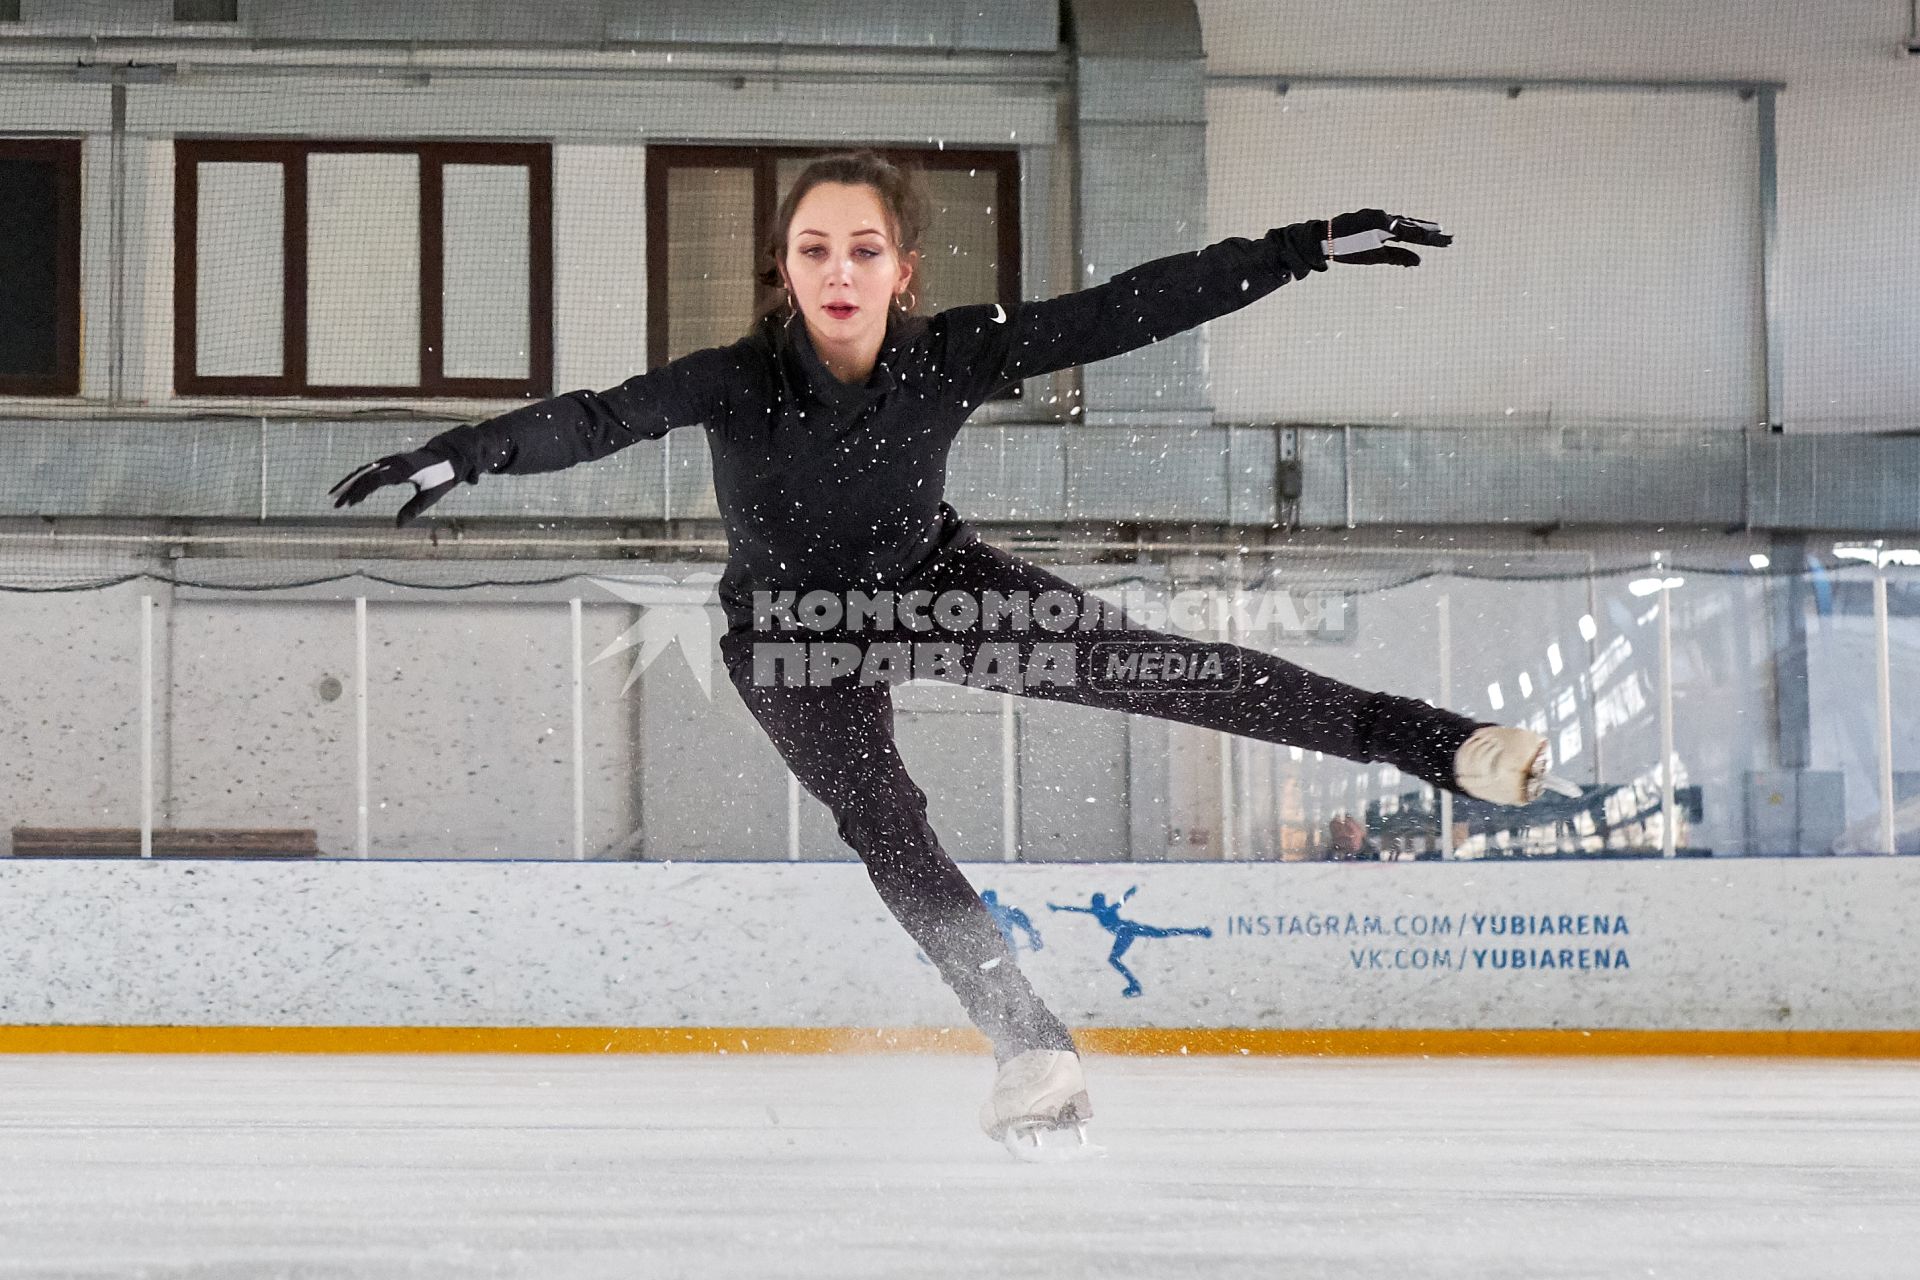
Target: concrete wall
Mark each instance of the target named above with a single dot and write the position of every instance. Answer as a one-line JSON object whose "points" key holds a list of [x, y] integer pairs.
{"points": [[1608, 263], [1643, 216], [941, 24]]}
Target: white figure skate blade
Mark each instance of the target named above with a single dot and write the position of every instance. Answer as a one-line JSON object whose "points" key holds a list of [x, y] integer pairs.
{"points": [[1560, 786], [1051, 1145]]}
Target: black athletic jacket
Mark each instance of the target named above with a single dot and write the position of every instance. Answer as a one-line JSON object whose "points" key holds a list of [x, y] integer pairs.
{"points": [[825, 485]]}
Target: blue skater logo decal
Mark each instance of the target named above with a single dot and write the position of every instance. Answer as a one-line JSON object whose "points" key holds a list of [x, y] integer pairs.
{"points": [[1015, 926], [1125, 931], [1008, 919]]}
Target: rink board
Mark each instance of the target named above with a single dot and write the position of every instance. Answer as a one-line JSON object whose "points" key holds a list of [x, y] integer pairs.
{"points": [[1776, 955]]}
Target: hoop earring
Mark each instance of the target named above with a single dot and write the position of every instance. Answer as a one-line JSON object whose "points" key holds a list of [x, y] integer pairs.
{"points": [[793, 309], [912, 300]]}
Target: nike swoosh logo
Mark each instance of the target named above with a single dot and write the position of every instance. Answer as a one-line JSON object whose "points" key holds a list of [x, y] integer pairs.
{"points": [[999, 314]]}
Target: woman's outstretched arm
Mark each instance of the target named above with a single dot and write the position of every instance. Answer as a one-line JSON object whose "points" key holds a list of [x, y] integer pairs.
{"points": [[993, 347], [564, 431]]}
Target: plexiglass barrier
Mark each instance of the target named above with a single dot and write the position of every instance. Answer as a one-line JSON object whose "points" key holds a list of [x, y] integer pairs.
{"points": [[1702, 705]]}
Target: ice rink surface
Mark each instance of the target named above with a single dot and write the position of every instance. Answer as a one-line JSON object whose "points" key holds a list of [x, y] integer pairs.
{"points": [[247, 1167]]}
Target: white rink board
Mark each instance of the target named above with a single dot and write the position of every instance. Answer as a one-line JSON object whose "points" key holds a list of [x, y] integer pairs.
{"points": [[1788, 944]]}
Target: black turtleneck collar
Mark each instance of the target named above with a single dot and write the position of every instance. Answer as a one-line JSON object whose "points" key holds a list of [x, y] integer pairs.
{"points": [[798, 356]]}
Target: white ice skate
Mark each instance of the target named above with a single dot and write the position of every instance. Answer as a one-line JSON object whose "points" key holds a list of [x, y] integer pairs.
{"points": [[1506, 766], [1038, 1109]]}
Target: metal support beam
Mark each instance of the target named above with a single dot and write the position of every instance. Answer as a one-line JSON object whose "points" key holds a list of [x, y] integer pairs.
{"points": [[1282, 82], [117, 204], [362, 806], [1883, 688], [1443, 626], [1773, 283], [146, 726], [1788, 595], [579, 732], [1009, 781], [793, 817], [1669, 832]]}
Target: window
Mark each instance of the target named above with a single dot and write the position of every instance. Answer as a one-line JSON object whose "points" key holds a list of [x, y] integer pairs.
{"points": [[39, 267], [206, 10], [363, 269], [709, 210]]}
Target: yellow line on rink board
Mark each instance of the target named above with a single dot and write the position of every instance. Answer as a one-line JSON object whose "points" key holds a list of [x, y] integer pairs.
{"points": [[714, 1040], [1147, 1042], [1502, 1042]]}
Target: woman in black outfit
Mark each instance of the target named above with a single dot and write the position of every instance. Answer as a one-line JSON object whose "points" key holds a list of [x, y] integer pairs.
{"points": [[829, 426]]}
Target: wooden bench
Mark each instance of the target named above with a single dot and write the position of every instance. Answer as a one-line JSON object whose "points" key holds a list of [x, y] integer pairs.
{"points": [[178, 842]]}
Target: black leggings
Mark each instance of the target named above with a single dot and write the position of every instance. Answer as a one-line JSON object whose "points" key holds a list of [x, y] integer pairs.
{"points": [[838, 741]]}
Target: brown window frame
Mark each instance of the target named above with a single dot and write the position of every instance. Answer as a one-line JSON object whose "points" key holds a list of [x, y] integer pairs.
{"points": [[764, 161], [291, 155], [64, 153]]}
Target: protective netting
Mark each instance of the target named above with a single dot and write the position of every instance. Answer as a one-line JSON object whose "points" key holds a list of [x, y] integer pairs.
{"points": [[246, 248]]}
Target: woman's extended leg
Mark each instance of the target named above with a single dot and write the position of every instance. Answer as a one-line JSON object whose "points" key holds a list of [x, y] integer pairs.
{"points": [[1270, 699], [839, 744]]}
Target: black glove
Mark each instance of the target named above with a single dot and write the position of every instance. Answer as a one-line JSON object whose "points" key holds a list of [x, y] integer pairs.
{"points": [[1361, 237], [430, 474]]}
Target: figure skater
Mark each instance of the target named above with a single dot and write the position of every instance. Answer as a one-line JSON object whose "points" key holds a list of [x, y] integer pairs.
{"points": [[829, 425]]}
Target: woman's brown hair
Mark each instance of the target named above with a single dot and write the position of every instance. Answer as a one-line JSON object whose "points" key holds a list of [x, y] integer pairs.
{"points": [[902, 194]]}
